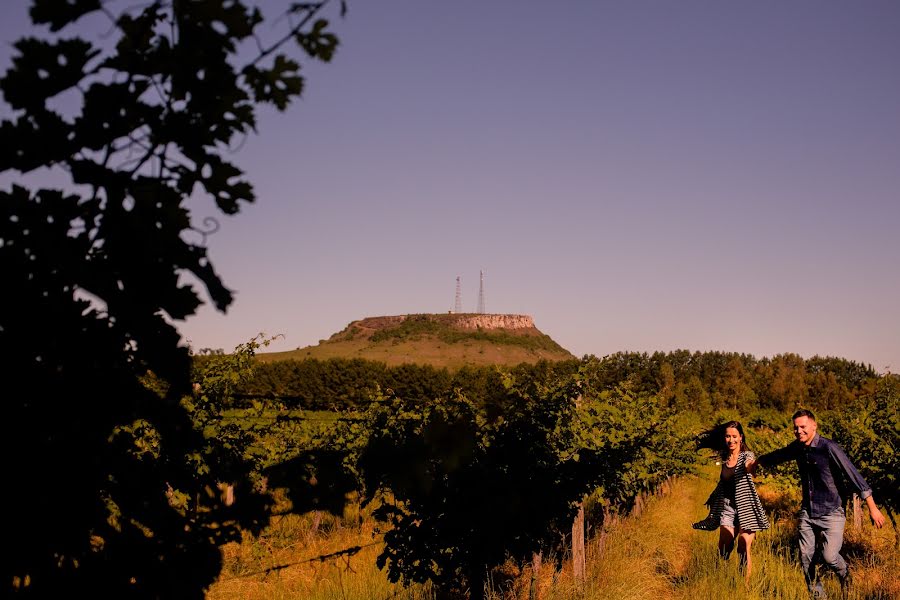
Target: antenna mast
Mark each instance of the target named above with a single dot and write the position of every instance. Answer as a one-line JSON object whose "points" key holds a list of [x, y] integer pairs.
{"points": [[457, 306], [481, 292]]}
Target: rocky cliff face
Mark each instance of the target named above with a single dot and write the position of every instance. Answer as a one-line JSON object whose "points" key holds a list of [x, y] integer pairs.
{"points": [[483, 321]]}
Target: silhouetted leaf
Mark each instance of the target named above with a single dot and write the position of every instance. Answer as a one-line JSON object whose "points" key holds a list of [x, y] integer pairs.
{"points": [[277, 85], [318, 43], [43, 69], [59, 14]]}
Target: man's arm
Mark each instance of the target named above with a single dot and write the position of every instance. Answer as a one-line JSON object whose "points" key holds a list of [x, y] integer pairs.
{"points": [[776, 457], [856, 480]]}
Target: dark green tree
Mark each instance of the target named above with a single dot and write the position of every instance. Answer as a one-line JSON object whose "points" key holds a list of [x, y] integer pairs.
{"points": [[107, 492], [869, 430], [469, 486]]}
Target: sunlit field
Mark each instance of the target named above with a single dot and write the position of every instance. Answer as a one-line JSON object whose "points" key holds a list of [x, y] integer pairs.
{"points": [[654, 555]]}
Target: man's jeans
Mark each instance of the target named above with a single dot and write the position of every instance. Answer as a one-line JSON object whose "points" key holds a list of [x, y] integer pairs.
{"points": [[828, 530]]}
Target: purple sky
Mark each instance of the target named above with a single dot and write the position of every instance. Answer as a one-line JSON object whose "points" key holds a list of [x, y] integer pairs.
{"points": [[636, 175]]}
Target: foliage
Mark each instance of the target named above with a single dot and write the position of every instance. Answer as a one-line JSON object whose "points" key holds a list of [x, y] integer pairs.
{"points": [[344, 383], [704, 382], [869, 431], [111, 498], [228, 440], [770, 430], [265, 446], [708, 381], [662, 435], [466, 488]]}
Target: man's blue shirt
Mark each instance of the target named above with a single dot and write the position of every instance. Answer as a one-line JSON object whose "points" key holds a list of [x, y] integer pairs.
{"points": [[825, 472]]}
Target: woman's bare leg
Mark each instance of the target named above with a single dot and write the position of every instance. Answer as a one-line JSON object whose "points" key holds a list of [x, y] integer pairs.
{"points": [[745, 540], [726, 541]]}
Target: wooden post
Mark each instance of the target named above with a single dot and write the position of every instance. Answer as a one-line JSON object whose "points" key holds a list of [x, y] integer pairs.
{"points": [[857, 513], [317, 519], [226, 493], [578, 555], [578, 547], [534, 592], [638, 507]]}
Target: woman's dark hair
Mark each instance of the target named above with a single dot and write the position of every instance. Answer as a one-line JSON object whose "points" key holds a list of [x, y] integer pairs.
{"points": [[714, 438]]}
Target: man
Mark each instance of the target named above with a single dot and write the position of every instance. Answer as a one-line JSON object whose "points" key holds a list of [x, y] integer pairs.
{"points": [[825, 472]]}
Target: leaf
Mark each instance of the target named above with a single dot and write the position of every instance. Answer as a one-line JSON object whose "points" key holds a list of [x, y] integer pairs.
{"points": [[41, 138], [43, 69], [226, 186], [59, 14], [318, 43], [277, 85]]}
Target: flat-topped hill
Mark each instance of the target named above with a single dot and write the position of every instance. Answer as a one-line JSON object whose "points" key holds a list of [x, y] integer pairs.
{"points": [[443, 340]]}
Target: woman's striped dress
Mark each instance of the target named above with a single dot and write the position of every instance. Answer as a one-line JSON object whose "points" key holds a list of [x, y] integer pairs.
{"points": [[750, 513]]}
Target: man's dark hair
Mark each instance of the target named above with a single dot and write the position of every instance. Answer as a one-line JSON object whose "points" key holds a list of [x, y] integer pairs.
{"points": [[804, 413]]}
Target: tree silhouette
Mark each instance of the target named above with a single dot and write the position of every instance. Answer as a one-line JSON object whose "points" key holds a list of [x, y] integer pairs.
{"points": [[108, 492]]}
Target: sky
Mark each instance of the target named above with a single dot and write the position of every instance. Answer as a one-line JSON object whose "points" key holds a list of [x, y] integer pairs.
{"points": [[637, 175]]}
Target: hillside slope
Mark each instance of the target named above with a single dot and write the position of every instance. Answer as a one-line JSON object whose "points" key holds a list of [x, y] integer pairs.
{"points": [[441, 340]]}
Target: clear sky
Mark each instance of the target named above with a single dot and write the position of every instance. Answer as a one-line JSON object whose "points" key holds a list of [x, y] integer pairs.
{"points": [[636, 175]]}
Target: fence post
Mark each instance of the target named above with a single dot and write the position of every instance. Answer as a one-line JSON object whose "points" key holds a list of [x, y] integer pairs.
{"points": [[857, 512], [534, 592], [578, 554], [578, 547], [226, 493]]}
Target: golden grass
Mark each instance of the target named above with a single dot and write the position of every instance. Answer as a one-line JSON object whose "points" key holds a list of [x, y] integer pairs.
{"points": [[656, 555], [301, 557], [659, 556]]}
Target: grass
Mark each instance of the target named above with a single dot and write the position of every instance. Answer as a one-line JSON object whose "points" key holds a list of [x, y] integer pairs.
{"points": [[658, 556], [303, 557], [655, 555], [425, 350]]}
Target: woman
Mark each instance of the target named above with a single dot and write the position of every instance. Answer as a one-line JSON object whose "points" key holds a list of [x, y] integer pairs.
{"points": [[734, 505]]}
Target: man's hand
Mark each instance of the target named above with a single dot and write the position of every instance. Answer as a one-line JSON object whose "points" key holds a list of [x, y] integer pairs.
{"points": [[874, 513], [877, 517]]}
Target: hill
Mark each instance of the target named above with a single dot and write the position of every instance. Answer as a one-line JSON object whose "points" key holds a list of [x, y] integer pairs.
{"points": [[442, 340]]}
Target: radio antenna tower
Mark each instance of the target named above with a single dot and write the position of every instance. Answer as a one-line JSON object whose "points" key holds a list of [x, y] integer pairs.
{"points": [[457, 306], [481, 293]]}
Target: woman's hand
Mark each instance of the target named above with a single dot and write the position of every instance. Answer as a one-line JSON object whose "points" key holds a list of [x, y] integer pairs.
{"points": [[750, 465]]}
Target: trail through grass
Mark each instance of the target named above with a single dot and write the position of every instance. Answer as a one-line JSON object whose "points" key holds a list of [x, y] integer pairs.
{"points": [[659, 556]]}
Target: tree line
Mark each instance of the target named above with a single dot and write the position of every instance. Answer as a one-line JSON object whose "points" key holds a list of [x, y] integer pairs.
{"points": [[702, 381]]}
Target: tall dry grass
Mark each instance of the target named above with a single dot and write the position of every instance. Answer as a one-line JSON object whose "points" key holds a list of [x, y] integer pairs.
{"points": [[306, 557], [656, 555]]}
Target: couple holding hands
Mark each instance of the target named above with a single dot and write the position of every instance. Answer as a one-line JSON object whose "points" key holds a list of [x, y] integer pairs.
{"points": [[825, 472]]}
